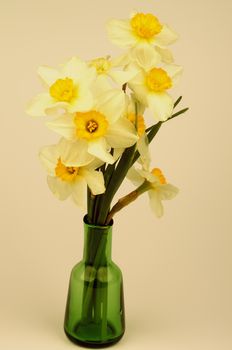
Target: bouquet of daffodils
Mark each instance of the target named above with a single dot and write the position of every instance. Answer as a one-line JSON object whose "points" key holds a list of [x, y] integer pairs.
{"points": [[98, 108]]}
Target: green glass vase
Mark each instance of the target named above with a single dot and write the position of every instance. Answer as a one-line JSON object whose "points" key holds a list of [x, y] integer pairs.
{"points": [[94, 314]]}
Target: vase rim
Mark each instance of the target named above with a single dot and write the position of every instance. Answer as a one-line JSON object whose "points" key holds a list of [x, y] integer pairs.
{"points": [[85, 220]]}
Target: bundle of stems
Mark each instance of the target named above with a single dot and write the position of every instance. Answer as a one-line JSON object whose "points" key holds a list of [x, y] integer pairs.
{"points": [[99, 207]]}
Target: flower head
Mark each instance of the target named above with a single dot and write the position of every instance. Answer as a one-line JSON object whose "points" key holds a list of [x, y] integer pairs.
{"points": [[102, 127], [158, 188], [70, 169], [67, 87], [140, 29], [151, 86]]}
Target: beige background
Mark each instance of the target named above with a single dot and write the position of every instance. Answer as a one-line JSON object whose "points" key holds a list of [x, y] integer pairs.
{"points": [[177, 270]]}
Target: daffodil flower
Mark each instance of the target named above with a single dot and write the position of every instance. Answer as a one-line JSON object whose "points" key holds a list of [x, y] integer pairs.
{"points": [[108, 68], [67, 88], [101, 127], [70, 169], [135, 111], [150, 86], [142, 28], [158, 188]]}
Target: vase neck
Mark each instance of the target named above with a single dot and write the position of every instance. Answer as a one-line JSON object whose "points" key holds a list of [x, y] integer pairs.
{"points": [[97, 244]]}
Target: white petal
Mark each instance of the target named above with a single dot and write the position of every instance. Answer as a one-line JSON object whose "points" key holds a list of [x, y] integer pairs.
{"points": [[140, 108], [122, 77], [111, 104], [147, 175], [143, 148], [121, 134], [48, 75], [79, 192], [100, 85], [167, 191], [117, 153], [120, 33], [95, 180], [95, 164], [100, 149], [61, 189], [49, 156], [78, 70], [139, 78], [135, 177], [146, 56], [155, 203], [161, 104], [166, 37], [83, 102], [122, 60], [64, 126], [74, 153], [174, 72], [166, 55], [38, 105], [141, 92]]}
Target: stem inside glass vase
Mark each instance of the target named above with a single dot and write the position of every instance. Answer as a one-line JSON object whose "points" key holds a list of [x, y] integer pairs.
{"points": [[95, 306]]}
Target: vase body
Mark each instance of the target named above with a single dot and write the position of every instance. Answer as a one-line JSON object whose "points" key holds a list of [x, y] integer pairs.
{"points": [[94, 314]]}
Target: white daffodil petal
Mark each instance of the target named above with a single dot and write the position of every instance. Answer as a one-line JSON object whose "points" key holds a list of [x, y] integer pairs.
{"points": [[79, 192], [48, 156], [155, 203], [100, 149], [59, 188], [74, 68], [111, 104], [74, 153], [147, 175], [167, 191], [120, 33], [143, 148], [121, 134], [64, 126], [38, 105], [117, 153], [83, 103], [48, 75], [146, 56], [122, 77], [95, 180], [166, 55], [174, 72], [135, 107], [101, 85], [122, 60], [134, 177], [141, 93], [139, 78], [161, 104], [95, 164], [166, 37]]}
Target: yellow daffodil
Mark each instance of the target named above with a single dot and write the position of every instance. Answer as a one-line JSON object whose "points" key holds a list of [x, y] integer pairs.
{"points": [[159, 189], [67, 87], [101, 127], [70, 168], [150, 86], [142, 28]]}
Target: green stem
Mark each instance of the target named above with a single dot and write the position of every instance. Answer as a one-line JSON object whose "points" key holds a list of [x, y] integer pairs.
{"points": [[90, 205], [114, 183], [88, 294]]}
